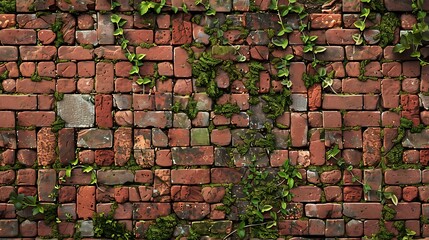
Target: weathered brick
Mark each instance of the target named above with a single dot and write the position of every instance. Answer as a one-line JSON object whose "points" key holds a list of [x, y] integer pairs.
{"points": [[74, 53], [150, 211], [190, 176], [17, 36], [402, 176], [32, 53], [46, 145], [85, 202]]}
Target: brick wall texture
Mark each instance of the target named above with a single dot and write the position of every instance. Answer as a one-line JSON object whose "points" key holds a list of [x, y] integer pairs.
{"points": [[82, 134]]}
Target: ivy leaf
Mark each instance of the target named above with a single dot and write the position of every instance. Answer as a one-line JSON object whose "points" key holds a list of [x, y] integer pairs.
{"points": [[211, 12], [360, 24], [284, 205], [114, 5], [415, 54], [308, 48], [289, 57], [327, 82], [175, 9], [134, 70], [287, 83], [144, 7], [298, 175], [365, 1], [357, 38], [274, 5], [319, 49], [332, 152], [286, 29], [141, 56], [118, 32], [124, 44], [365, 12], [143, 81], [313, 38], [282, 174], [115, 18], [93, 178], [130, 56], [88, 169], [271, 224], [399, 48], [241, 58], [321, 71], [366, 188], [266, 208], [391, 196], [184, 8], [283, 72], [290, 183], [281, 42], [122, 22]]}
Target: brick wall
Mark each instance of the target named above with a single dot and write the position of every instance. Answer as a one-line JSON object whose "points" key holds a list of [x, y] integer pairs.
{"points": [[82, 134]]}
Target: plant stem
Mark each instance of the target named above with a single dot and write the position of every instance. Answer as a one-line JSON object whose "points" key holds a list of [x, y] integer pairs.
{"points": [[246, 226]]}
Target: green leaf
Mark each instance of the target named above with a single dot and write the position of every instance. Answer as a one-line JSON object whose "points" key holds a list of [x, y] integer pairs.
{"points": [[130, 56], [114, 5], [289, 57], [88, 169], [274, 5], [134, 70], [331, 153], [122, 22], [365, 12], [290, 183], [175, 9], [211, 12], [282, 174], [360, 24], [184, 8], [391, 196], [327, 82], [115, 18], [308, 48], [357, 37], [283, 72], [298, 175], [292, 1], [271, 224], [287, 83], [140, 56], [93, 178], [241, 233], [144, 7], [284, 205], [118, 32], [319, 49], [266, 208], [321, 71], [313, 38], [399, 48], [366, 188], [415, 54], [365, 1], [281, 43], [241, 58]]}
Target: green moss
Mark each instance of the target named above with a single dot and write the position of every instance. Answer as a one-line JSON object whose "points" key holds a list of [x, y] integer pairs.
{"points": [[227, 109], [56, 28], [389, 23], [388, 213], [147, 45], [106, 226], [382, 233], [3, 76], [252, 78], [276, 103], [204, 70], [7, 6], [162, 229], [58, 124], [394, 156]]}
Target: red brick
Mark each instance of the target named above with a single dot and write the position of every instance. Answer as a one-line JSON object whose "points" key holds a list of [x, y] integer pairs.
{"points": [[46, 69], [190, 176], [186, 194], [178, 137], [46, 145], [191, 211], [306, 194], [111, 52], [157, 53], [181, 67], [32, 53], [85, 201], [341, 36], [148, 211], [299, 128], [49, 179], [74, 53], [104, 157], [353, 85], [7, 119], [104, 77], [26, 85], [7, 20], [18, 36], [293, 227], [364, 119], [321, 21], [182, 29], [338, 102], [402, 176], [37, 119], [159, 119], [359, 53]]}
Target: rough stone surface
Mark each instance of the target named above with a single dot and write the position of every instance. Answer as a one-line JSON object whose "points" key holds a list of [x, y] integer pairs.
{"points": [[77, 110]]}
